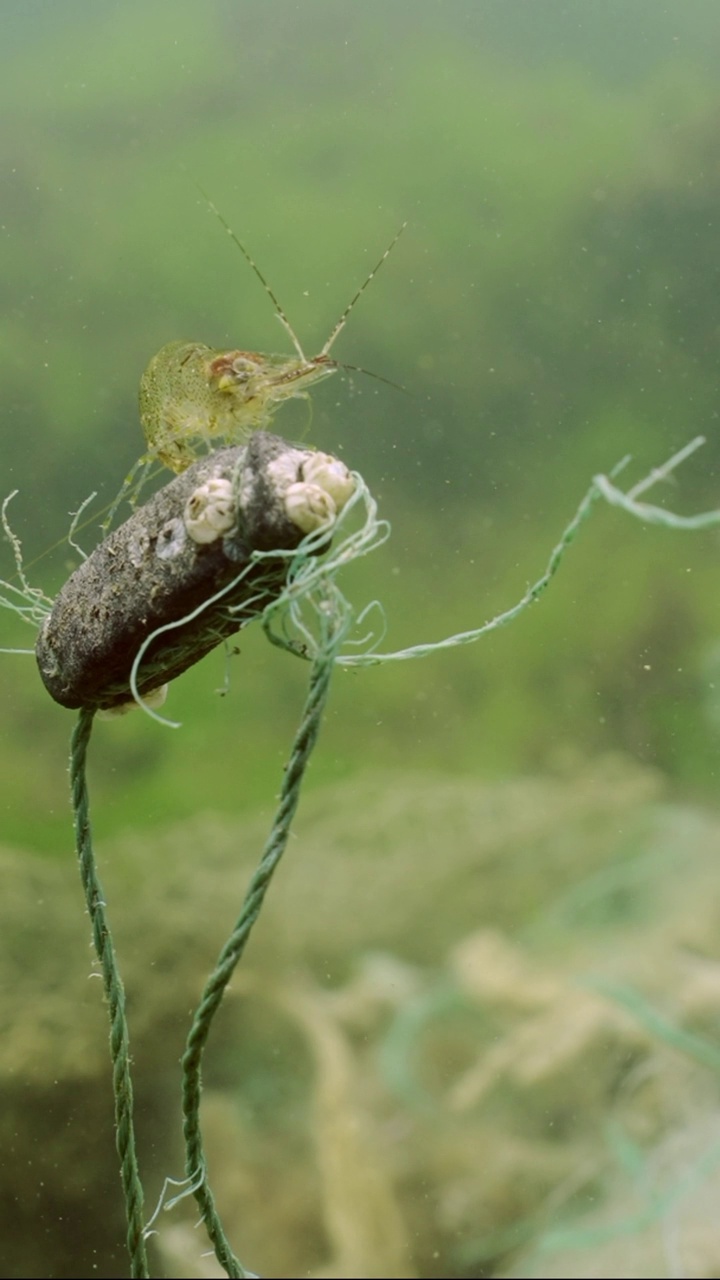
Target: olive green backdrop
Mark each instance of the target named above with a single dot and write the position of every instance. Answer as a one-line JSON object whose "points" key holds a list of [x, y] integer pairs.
{"points": [[553, 305]]}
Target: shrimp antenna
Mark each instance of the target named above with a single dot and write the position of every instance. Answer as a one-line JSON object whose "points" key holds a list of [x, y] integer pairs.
{"points": [[356, 368], [251, 261], [343, 319]]}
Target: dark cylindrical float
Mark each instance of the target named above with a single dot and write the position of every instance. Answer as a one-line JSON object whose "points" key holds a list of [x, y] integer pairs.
{"points": [[189, 541]]}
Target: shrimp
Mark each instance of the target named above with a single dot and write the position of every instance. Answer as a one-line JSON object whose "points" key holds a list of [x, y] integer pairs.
{"points": [[192, 395]]}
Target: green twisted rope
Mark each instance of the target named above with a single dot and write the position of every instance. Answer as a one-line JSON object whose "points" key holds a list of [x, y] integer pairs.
{"points": [[304, 741], [115, 993]]}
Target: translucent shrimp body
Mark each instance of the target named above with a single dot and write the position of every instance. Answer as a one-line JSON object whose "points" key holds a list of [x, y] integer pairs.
{"points": [[192, 395]]}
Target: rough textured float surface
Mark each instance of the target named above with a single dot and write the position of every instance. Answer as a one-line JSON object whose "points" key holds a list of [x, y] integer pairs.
{"points": [[150, 572]]}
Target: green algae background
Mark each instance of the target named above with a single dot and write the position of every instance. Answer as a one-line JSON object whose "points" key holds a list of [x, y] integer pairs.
{"points": [[552, 305]]}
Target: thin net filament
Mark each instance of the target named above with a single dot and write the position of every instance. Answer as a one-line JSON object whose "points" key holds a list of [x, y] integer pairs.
{"points": [[601, 487]]}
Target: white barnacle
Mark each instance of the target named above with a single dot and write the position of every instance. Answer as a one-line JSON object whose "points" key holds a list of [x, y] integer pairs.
{"points": [[331, 475], [210, 510], [313, 487], [286, 469], [170, 540], [308, 506]]}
